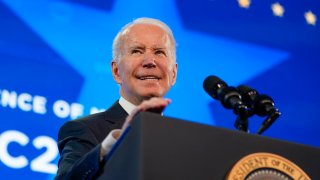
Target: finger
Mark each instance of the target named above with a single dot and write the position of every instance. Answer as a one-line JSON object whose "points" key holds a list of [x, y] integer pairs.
{"points": [[154, 103]]}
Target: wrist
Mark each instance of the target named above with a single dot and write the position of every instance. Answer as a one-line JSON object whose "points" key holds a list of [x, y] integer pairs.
{"points": [[116, 133]]}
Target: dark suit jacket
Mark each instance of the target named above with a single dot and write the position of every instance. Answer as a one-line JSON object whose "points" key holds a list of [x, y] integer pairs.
{"points": [[79, 143]]}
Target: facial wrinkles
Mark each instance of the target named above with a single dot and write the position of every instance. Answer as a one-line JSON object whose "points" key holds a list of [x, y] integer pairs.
{"points": [[166, 41]]}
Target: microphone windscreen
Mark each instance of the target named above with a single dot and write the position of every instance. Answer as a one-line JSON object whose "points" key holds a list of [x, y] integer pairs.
{"points": [[244, 89], [211, 85]]}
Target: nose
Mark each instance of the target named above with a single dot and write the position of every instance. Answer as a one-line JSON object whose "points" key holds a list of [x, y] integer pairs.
{"points": [[149, 61]]}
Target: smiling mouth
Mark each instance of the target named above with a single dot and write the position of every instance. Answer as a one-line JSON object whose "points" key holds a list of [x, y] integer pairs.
{"points": [[148, 78]]}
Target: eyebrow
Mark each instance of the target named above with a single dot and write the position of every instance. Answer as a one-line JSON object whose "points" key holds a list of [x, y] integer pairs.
{"points": [[143, 47], [136, 46], [158, 48]]}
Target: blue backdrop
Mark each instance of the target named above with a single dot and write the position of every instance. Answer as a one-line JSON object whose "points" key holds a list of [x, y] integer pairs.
{"points": [[55, 66]]}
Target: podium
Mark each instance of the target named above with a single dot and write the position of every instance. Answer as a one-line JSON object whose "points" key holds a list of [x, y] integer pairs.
{"points": [[163, 148]]}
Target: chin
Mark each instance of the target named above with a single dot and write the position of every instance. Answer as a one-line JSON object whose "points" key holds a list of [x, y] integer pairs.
{"points": [[148, 95]]}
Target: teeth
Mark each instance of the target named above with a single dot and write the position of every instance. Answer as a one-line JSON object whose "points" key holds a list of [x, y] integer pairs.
{"points": [[148, 77]]}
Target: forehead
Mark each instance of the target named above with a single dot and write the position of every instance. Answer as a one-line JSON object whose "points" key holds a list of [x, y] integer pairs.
{"points": [[147, 35]]}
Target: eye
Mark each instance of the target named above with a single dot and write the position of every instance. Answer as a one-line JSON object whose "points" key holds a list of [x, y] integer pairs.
{"points": [[136, 51], [160, 52]]}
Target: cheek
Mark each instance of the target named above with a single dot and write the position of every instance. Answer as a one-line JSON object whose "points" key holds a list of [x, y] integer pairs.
{"points": [[125, 68], [127, 71], [169, 70]]}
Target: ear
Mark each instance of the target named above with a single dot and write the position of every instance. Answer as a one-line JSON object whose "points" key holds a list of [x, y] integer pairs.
{"points": [[115, 71], [174, 76]]}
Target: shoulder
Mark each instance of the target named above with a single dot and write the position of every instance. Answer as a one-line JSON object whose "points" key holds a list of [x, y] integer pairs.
{"points": [[99, 124], [91, 124], [84, 121]]}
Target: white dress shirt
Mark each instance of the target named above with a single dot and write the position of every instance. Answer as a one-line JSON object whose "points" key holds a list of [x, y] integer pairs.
{"points": [[126, 105]]}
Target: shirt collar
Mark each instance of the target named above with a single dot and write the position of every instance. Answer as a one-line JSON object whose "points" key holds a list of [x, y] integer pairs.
{"points": [[126, 105]]}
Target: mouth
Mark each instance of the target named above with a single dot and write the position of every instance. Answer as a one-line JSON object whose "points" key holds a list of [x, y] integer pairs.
{"points": [[151, 77]]}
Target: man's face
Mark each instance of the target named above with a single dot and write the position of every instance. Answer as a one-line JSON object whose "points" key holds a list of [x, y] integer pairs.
{"points": [[146, 68]]}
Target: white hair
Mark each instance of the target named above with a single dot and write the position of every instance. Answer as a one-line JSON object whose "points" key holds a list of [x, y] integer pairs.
{"points": [[118, 40]]}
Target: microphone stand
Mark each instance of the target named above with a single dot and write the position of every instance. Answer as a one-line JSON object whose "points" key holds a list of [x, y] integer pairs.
{"points": [[243, 114]]}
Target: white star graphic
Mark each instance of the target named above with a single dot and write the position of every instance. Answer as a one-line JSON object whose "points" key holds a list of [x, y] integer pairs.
{"points": [[244, 3], [277, 9], [310, 18]]}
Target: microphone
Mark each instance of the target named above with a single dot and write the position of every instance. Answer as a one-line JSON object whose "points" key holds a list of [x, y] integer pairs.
{"points": [[262, 105], [229, 97], [219, 90]]}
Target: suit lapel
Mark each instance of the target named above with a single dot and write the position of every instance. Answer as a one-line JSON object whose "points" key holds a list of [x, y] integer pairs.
{"points": [[116, 115]]}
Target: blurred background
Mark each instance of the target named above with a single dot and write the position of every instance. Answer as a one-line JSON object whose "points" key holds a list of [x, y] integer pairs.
{"points": [[55, 66]]}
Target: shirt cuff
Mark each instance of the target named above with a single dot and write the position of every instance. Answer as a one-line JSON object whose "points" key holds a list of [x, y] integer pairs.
{"points": [[108, 142]]}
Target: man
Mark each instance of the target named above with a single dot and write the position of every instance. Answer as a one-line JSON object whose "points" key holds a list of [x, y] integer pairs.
{"points": [[144, 65]]}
